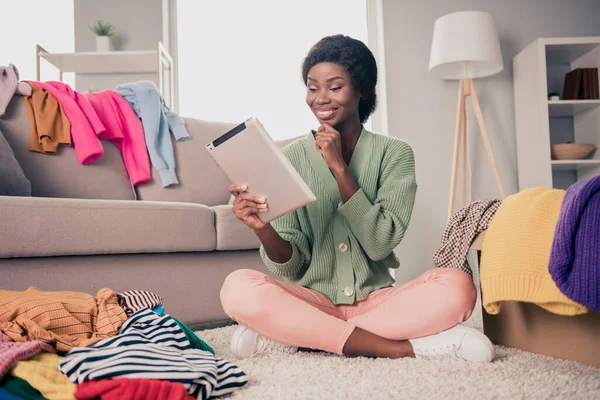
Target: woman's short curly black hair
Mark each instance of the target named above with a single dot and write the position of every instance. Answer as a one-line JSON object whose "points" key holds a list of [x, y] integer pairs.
{"points": [[356, 59]]}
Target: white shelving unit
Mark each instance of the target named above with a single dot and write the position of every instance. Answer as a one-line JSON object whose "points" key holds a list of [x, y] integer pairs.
{"points": [[570, 165], [157, 61], [538, 70], [570, 108]]}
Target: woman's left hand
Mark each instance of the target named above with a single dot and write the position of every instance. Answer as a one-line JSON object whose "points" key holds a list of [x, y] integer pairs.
{"points": [[329, 144]]}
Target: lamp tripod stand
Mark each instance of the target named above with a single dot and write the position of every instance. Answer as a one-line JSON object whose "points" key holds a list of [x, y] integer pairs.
{"points": [[467, 88]]}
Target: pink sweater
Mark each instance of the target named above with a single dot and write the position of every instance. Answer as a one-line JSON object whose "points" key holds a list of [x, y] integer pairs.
{"points": [[86, 127], [125, 130], [12, 352]]}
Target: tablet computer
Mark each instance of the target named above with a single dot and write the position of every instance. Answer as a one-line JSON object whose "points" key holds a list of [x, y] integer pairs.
{"points": [[248, 155]]}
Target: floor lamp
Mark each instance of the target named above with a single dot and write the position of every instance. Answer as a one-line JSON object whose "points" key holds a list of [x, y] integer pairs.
{"points": [[466, 46]]}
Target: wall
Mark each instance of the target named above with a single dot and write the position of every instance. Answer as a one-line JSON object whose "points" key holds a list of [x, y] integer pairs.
{"points": [[422, 110], [139, 25]]}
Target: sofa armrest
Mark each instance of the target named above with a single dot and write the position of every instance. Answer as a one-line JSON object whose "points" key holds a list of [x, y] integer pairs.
{"points": [[233, 234], [39, 227]]}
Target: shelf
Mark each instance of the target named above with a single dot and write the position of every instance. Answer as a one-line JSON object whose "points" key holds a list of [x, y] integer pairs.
{"points": [[567, 50], [99, 63], [573, 165], [540, 69], [569, 108], [157, 62]]}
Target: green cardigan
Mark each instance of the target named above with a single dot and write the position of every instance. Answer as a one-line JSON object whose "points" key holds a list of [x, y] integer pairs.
{"points": [[344, 250]]}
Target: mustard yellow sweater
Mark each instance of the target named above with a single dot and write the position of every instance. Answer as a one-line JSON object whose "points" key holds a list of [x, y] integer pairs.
{"points": [[516, 252]]}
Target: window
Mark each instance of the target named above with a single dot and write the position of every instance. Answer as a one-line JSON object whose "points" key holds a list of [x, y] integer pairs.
{"points": [[25, 23], [239, 59]]}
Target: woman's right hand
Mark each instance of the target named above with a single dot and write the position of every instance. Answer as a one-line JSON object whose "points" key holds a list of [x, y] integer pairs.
{"points": [[246, 206]]}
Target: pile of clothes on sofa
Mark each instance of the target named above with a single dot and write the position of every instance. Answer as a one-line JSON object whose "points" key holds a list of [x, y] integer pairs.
{"points": [[71, 345], [133, 116]]}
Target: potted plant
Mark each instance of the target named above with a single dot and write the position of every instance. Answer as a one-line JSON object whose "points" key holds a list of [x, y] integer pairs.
{"points": [[104, 31]]}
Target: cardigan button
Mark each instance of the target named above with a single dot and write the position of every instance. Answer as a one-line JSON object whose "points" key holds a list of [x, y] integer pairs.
{"points": [[343, 247], [348, 291]]}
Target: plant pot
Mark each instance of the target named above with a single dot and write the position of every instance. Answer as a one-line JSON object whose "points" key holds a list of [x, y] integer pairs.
{"points": [[103, 44]]}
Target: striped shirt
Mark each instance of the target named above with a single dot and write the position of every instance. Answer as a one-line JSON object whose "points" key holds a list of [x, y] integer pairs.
{"points": [[63, 320], [134, 300], [154, 347]]}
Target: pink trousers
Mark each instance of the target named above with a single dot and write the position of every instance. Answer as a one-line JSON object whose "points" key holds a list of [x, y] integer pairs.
{"points": [[291, 314]]}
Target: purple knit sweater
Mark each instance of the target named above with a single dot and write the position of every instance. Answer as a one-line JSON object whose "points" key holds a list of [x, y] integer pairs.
{"points": [[575, 256]]}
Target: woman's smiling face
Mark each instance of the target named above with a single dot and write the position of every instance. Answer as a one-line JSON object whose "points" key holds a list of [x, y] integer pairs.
{"points": [[330, 94]]}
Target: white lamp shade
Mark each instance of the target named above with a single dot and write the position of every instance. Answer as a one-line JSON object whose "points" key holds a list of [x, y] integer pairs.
{"points": [[465, 45]]}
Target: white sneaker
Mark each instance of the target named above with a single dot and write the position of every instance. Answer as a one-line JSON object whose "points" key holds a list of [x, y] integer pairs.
{"points": [[460, 342], [246, 343]]}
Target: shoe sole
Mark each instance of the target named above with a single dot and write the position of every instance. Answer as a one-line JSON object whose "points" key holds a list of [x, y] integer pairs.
{"points": [[235, 340]]}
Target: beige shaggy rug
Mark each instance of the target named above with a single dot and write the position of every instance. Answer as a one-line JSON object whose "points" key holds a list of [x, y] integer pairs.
{"points": [[514, 374]]}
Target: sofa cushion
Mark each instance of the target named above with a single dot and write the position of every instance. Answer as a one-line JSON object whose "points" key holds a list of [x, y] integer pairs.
{"points": [[39, 227], [233, 234], [61, 175], [200, 179], [12, 179]]}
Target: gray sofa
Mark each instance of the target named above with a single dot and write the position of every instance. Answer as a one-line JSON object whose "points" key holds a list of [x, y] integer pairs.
{"points": [[85, 227]]}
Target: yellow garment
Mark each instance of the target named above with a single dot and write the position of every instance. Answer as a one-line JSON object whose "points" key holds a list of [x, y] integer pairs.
{"points": [[516, 252], [62, 319], [42, 373]]}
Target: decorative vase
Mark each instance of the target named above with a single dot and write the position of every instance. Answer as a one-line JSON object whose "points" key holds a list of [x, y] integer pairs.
{"points": [[103, 44]]}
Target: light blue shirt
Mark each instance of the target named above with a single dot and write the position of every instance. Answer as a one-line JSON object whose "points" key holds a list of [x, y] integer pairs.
{"points": [[157, 120]]}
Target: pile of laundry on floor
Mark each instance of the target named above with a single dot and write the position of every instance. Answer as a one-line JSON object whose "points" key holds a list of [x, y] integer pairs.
{"points": [[134, 117], [71, 345]]}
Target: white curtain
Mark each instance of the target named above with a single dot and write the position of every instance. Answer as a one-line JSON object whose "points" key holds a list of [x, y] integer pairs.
{"points": [[25, 23], [240, 58]]}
